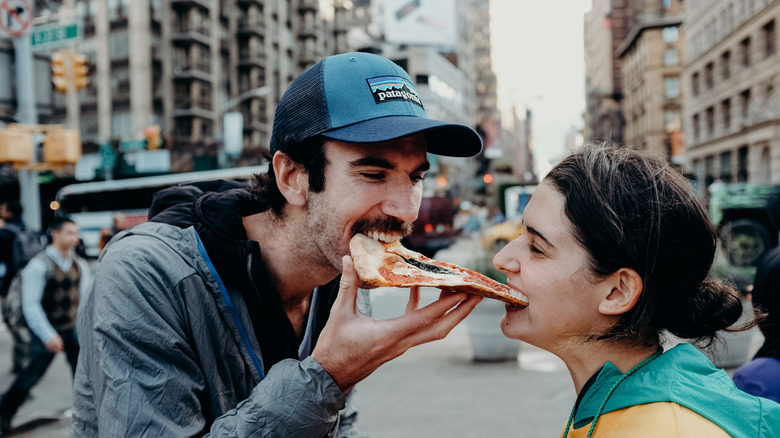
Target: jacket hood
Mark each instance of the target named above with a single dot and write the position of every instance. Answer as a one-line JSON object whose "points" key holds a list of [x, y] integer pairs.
{"points": [[215, 209]]}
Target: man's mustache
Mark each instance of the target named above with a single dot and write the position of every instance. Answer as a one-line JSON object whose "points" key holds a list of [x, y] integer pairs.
{"points": [[383, 225]]}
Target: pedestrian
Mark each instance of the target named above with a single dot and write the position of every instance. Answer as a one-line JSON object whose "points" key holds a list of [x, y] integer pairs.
{"points": [[226, 313], [50, 286], [616, 249], [18, 245], [761, 376]]}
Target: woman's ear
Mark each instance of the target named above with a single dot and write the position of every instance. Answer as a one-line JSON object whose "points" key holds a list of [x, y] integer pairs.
{"points": [[292, 180], [626, 289]]}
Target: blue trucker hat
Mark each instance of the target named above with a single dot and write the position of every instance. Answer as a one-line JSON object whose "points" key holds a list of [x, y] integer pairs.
{"points": [[363, 98]]}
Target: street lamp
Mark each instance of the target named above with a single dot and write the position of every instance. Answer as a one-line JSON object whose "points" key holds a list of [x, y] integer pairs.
{"points": [[233, 124], [257, 92]]}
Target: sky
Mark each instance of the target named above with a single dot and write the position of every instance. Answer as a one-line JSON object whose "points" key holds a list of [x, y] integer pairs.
{"points": [[538, 58]]}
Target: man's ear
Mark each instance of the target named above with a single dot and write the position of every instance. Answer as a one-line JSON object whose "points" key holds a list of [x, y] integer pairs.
{"points": [[292, 180], [626, 289]]}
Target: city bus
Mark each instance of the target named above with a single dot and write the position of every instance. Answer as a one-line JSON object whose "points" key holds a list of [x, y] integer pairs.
{"points": [[94, 205]]}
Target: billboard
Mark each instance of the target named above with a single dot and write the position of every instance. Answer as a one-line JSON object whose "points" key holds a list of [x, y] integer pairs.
{"points": [[431, 22]]}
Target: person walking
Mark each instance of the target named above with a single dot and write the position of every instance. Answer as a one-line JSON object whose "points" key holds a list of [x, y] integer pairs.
{"points": [[18, 245], [50, 287], [616, 251], [227, 313]]}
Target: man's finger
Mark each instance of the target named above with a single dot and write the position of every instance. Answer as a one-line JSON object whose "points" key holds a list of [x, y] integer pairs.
{"points": [[414, 299], [348, 286], [441, 327]]}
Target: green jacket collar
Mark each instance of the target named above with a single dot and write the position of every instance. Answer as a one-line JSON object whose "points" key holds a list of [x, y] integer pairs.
{"points": [[671, 378]]}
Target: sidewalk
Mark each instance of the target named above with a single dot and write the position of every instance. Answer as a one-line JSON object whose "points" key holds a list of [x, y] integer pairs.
{"points": [[46, 413]]}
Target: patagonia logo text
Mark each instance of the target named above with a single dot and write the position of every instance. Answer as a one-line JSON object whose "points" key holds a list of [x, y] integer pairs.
{"points": [[393, 88]]}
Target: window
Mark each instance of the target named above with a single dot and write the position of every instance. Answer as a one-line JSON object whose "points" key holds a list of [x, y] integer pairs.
{"points": [[672, 87], [670, 57], [745, 106], [725, 167], [744, 46], [769, 39], [742, 164], [672, 120], [670, 34], [725, 59], [708, 71], [695, 84], [726, 110], [710, 121], [695, 126]]}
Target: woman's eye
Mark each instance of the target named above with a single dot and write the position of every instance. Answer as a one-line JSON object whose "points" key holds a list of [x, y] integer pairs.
{"points": [[534, 249]]}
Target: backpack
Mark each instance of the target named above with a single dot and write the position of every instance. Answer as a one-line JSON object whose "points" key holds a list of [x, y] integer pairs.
{"points": [[25, 244]]}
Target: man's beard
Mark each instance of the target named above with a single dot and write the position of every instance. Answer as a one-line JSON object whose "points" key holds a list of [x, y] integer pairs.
{"points": [[324, 234]]}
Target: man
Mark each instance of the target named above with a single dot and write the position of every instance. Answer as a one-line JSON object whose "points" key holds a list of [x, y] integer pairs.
{"points": [[49, 286], [226, 314], [18, 245]]}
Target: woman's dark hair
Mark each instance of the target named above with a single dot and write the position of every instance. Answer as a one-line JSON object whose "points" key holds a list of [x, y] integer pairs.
{"points": [[309, 155], [629, 208]]}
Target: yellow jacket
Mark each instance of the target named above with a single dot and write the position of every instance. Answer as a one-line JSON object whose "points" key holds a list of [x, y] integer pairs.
{"points": [[661, 419]]}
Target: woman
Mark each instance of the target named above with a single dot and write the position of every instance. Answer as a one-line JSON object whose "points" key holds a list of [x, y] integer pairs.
{"points": [[616, 248]]}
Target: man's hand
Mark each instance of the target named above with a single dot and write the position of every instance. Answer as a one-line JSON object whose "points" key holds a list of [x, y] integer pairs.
{"points": [[55, 345], [352, 345]]}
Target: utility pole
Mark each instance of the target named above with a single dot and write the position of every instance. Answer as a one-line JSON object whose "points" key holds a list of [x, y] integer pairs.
{"points": [[73, 107], [29, 188]]}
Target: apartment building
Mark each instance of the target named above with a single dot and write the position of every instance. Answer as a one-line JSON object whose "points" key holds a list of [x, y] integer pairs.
{"points": [[653, 57], [178, 63], [732, 106]]}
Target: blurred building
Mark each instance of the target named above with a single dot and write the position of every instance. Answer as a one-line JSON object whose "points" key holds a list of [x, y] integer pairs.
{"points": [[178, 63], [652, 60], [732, 105]]}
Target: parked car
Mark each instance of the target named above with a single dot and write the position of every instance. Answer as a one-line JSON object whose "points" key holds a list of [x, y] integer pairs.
{"points": [[748, 218], [497, 236], [434, 228]]}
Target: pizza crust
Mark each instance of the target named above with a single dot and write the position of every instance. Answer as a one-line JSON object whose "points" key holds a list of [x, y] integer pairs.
{"points": [[380, 264]]}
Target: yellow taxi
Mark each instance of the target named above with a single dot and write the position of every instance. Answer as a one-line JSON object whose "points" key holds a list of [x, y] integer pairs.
{"points": [[497, 236]]}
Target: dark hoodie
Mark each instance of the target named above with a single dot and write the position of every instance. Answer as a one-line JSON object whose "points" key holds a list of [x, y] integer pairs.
{"points": [[215, 209]]}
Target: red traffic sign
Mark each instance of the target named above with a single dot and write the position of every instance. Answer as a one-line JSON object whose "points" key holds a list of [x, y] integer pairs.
{"points": [[15, 17]]}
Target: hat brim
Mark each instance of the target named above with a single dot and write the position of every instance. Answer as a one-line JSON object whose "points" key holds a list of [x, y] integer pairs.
{"points": [[448, 139]]}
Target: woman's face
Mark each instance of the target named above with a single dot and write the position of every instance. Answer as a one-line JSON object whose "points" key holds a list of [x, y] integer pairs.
{"points": [[548, 265]]}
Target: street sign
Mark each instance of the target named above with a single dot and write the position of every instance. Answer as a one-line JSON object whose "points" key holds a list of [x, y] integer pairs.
{"points": [[132, 145], [55, 35], [15, 17]]}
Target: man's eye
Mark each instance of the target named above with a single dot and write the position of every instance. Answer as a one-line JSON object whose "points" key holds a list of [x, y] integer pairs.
{"points": [[417, 178], [374, 176]]}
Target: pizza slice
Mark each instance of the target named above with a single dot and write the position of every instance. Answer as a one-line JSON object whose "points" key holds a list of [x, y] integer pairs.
{"points": [[380, 264]]}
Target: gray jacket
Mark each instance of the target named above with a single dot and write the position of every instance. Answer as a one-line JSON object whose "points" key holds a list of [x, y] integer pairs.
{"points": [[167, 350]]}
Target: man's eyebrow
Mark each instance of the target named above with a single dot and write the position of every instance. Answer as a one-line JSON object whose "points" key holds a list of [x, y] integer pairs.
{"points": [[372, 162], [384, 164], [536, 233]]}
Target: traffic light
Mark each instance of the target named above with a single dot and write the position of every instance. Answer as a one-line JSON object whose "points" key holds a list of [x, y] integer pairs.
{"points": [[153, 139], [62, 146], [80, 71], [15, 145], [59, 71]]}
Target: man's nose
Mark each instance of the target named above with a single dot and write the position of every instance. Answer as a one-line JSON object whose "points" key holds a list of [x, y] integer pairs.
{"points": [[402, 203]]}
